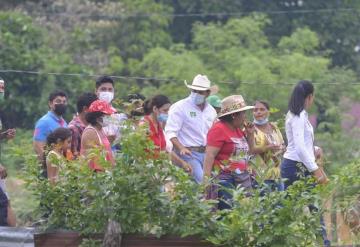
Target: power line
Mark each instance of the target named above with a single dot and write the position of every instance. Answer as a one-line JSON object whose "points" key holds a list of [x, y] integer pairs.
{"points": [[184, 15], [141, 78]]}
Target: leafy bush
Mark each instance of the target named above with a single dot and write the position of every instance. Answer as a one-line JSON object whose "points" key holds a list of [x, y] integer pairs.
{"points": [[131, 193], [136, 194]]}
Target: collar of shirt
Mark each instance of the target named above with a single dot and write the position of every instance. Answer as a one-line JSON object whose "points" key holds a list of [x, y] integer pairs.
{"points": [[58, 119], [76, 119]]}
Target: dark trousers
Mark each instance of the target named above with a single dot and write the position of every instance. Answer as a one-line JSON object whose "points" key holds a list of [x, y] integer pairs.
{"points": [[3, 208], [231, 181], [292, 171]]}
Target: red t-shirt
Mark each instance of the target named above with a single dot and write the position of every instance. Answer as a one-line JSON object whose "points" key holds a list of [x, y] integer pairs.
{"points": [[156, 134], [234, 149]]}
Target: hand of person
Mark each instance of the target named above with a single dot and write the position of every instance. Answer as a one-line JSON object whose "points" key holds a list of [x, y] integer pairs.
{"points": [[3, 173], [10, 133], [249, 128], [187, 167], [273, 147], [185, 151], [111, 138], [320, 176]]}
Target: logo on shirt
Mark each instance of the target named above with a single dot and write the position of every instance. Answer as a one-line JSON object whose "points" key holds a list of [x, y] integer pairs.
{"points": [[241, 149], [192, 114]]}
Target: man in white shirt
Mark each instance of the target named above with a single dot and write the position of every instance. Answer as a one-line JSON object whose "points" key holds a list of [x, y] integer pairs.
{"points": [[189, 122]]}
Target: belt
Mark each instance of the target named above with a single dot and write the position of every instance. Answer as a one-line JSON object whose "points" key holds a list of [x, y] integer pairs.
{"points": [[199, 149]]}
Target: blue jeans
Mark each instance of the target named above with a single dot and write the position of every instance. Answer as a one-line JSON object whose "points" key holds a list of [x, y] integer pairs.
{"points": [[292, 171], [196, 160]]}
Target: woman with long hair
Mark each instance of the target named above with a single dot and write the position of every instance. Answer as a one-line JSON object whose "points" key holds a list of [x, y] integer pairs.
{"points": [[300, 136], [300, 158]]}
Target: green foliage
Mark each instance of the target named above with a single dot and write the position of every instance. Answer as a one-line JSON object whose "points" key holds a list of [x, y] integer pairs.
{"points": [[302, 40], [130, 193], [148, 195], [273, 219]]}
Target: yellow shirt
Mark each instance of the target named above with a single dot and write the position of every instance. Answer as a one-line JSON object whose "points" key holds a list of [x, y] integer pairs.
{"points": [[269, 159]]}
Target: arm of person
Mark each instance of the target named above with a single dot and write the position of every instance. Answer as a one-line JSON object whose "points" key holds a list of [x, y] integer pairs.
{"points": [[8, 134], [172, 128], [52, 172], [297, 126], [3, 173], [250, 137], [39, 139], [177, 160], [39, 149], [210, 154], [177, 144], [307, 159]]}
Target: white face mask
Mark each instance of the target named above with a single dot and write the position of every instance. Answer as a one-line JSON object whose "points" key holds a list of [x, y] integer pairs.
{"points": [[198, 99], [106, 96], [106, 121]]}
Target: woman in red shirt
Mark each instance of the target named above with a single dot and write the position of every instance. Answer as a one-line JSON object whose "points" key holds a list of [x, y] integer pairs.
{"points": [[156, 110], [228, 148]]}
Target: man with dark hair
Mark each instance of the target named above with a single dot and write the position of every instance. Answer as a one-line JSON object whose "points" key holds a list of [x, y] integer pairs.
{"points": [[105, 91], [79, 123], [50, 121]]}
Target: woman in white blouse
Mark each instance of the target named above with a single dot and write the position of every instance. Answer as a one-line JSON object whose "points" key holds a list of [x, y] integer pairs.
{"points": [[299, 157]]}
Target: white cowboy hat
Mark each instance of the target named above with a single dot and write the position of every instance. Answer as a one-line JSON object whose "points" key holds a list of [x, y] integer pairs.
{"points": [[232, 104], [202, 83]]}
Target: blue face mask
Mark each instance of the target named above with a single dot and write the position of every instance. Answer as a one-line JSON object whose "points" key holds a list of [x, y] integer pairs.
{"points": [[197, 99], [261, 122], [162, 117]]}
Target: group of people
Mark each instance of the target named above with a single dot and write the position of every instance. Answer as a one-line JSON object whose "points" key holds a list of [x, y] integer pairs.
{"points": [[206, 136]]}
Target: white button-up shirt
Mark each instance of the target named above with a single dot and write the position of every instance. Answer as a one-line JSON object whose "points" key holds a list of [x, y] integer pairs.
{"points": [[189, 123], [300, 135]]}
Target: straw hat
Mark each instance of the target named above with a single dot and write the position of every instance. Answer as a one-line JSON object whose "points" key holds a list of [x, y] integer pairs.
{"points": [[202, 83], [232, 104]]}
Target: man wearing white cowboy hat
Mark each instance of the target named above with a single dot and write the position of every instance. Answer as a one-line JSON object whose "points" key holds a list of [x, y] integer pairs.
{"points": [[188, 123]]}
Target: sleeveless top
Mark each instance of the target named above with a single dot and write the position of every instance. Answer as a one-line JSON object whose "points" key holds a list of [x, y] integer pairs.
{"points": [[105, 145]]}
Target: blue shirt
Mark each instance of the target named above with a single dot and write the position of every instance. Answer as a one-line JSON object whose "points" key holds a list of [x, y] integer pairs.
{"points": [[47, 124]]}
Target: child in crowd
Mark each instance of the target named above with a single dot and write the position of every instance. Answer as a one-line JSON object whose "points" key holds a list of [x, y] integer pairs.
{"points": [[58, 142]]}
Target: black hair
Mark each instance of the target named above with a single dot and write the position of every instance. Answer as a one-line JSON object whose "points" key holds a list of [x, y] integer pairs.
{"points": [[135, 96], [85, 100], [104, 79], [59, 134], [55, 94], [91, 117], [300, 92], [266, 104], [158, 101], [229, 118]]}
